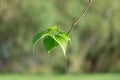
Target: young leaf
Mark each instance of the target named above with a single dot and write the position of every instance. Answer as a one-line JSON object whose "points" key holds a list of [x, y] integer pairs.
{"points": [[38, 37], [54, 28], [53, 37], [62, 39], [49, 43]]}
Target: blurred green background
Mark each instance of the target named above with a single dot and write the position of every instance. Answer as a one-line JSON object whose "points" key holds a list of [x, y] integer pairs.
{"points": [[95, 42]]}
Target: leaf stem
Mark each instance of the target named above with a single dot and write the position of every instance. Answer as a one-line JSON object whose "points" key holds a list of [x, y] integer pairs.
{"points": [[80, 18]]}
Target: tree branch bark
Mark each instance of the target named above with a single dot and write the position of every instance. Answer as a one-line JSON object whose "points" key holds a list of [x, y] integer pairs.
{"points": [[80, 18]]}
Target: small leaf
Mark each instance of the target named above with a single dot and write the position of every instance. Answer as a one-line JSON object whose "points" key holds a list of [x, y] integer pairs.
{"points": [[62, 38], [54, 28], [49, 43], [53, 37], [38, 37]]}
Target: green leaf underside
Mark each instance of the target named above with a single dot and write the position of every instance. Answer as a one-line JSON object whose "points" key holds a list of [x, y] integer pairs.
{"points": [[38, 37], [49, 43], [62, 38]]}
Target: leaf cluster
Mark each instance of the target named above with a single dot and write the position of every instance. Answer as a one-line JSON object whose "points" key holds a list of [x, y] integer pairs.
{"points": [[53, 37]]}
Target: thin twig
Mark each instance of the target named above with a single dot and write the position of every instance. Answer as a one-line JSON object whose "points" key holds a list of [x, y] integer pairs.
{"points": [[80, 18]]}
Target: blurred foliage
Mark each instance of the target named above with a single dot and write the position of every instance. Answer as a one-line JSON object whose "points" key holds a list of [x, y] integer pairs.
{"points": [[95, 41], [60, 77]]}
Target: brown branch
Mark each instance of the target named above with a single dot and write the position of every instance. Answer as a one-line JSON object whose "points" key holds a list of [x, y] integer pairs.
{"points": [[80, 18]]}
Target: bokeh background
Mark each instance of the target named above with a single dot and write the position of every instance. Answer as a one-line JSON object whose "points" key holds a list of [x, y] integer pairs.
{"points": [[95, 42]]}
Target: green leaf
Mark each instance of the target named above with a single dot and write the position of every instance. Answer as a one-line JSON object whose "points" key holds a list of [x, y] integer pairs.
{"points": [[38, 37], [53, 37], [54, 28], [49, 43], [62, 39]]}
